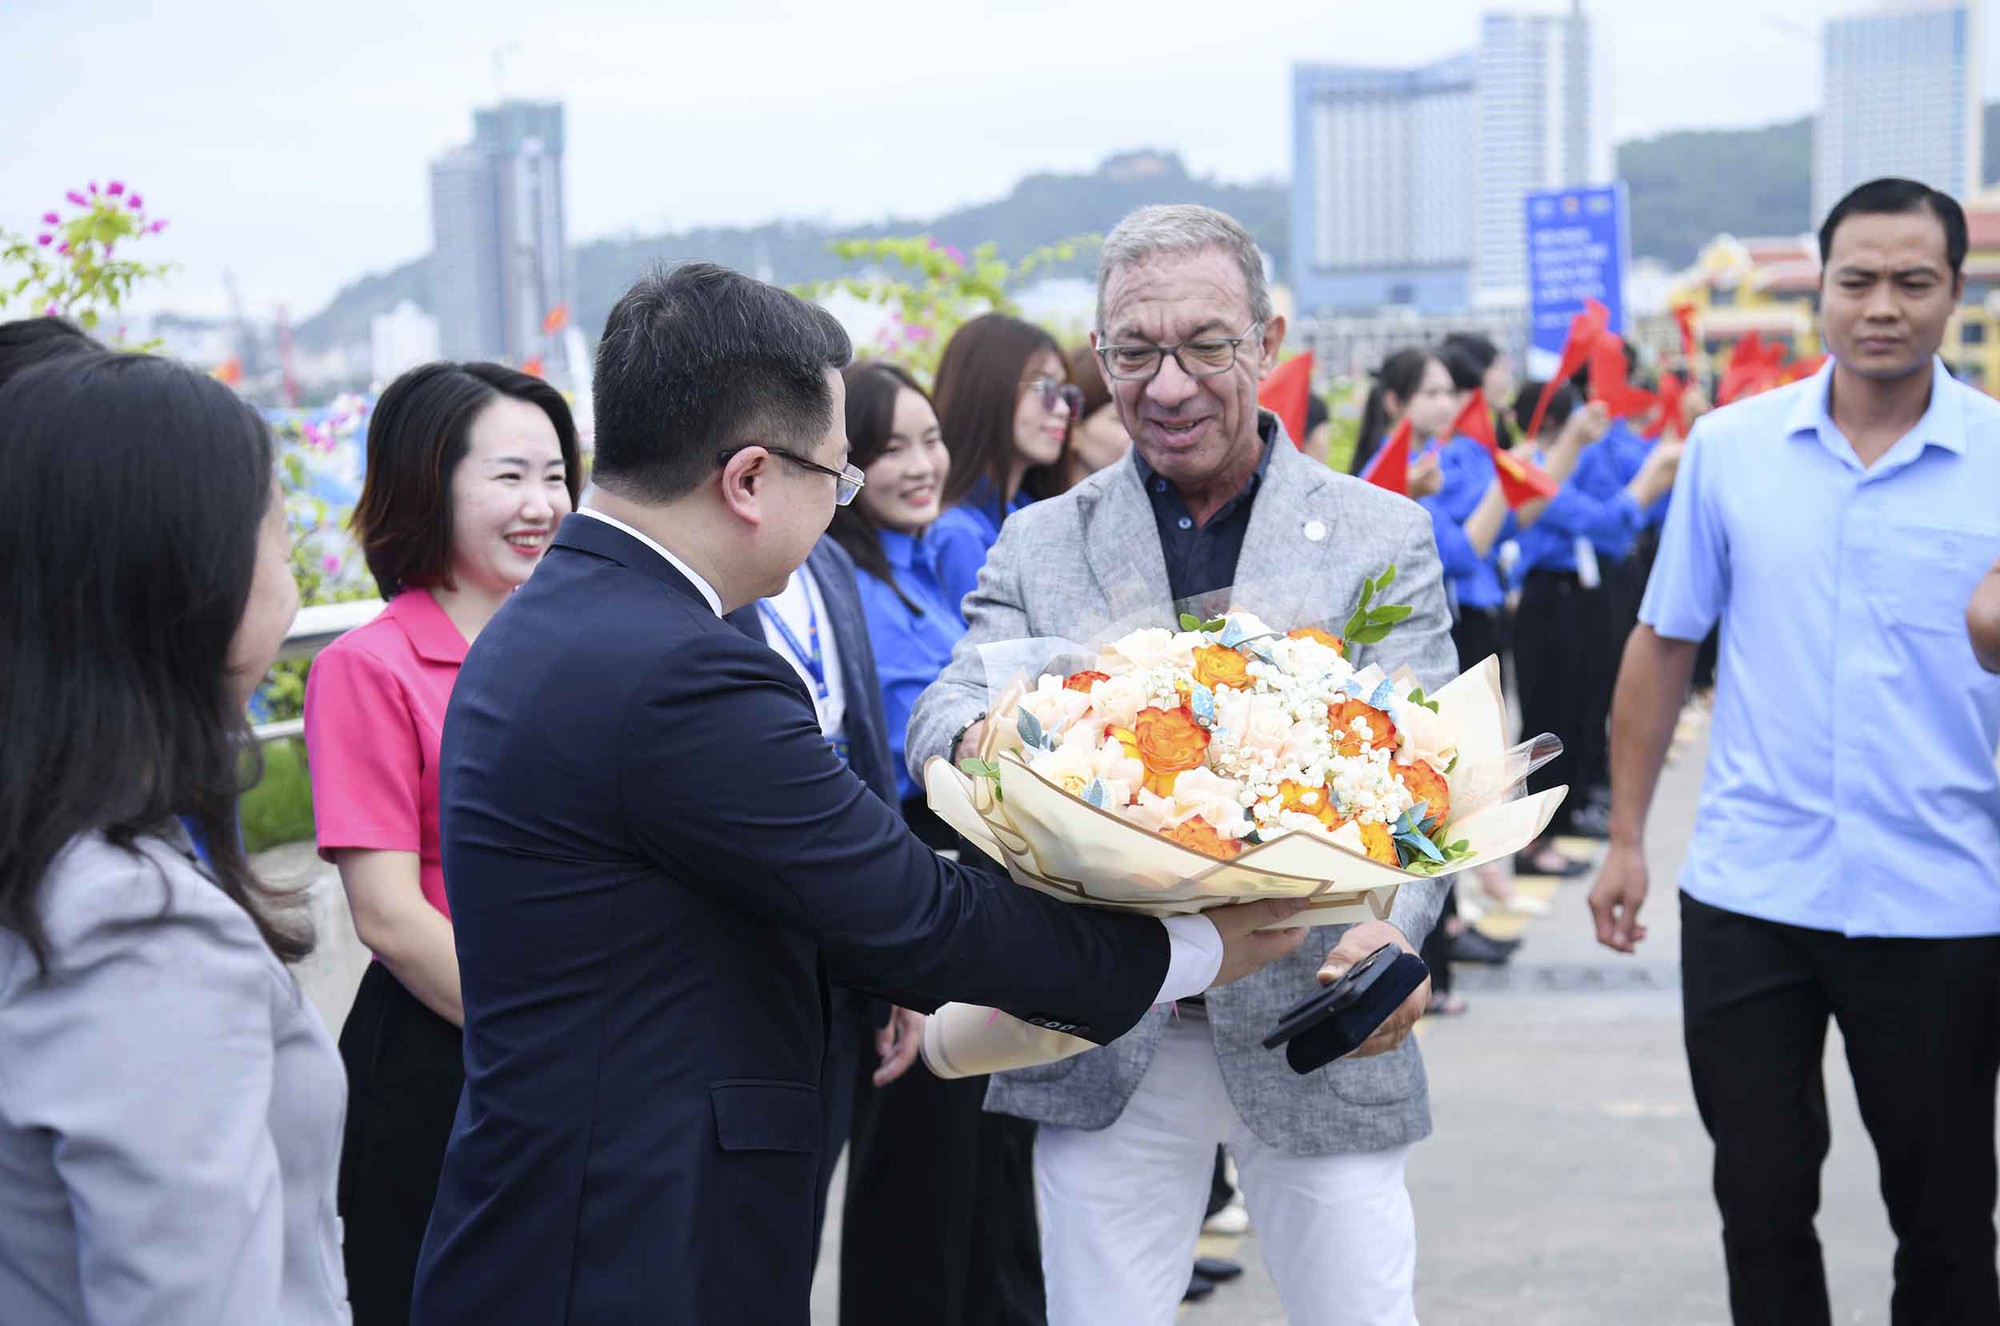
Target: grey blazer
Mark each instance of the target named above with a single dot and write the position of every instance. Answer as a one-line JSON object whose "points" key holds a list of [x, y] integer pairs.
{"points": [[1072, 566], [170, 1109]]}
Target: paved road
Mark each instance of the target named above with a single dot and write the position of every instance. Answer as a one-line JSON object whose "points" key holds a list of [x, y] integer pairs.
{"points": [[1566, 1184]]}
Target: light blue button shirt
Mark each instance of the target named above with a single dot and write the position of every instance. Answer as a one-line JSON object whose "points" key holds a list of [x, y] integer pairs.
{"points": [[1851, 783]]}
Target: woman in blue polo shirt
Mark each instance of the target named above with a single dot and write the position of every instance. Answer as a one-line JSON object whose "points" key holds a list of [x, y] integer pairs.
{"points": [[1005, 402]]}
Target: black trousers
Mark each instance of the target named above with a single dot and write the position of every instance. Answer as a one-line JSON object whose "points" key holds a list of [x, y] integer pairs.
{"points": [[404, 1073], [939, 1225], [1561, 660], [1921, 1023]]}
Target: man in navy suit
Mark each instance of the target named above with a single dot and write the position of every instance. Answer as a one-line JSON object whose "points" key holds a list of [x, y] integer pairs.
{"points": [[654, 857]]}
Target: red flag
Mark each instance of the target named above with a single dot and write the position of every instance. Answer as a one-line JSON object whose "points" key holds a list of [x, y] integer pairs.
{"points": [[229, 372], [532, 366], [1684, 319], [1520, 482], [1390, 467], [1672, 396], [1609, 384], [1584, 329], [1753, 367], [557, 319], [1286, 392]]}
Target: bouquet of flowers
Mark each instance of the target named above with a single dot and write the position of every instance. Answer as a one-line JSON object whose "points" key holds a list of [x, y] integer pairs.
{"points": [[1168, 771]]}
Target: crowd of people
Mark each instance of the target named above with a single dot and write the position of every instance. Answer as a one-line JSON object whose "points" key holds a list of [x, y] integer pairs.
{"points": [[624, 787]]}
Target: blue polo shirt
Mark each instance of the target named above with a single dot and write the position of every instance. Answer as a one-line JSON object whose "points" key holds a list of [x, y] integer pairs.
{"points": [[1473, 581], [1851, 784], [964, 535], [912, 644], [1627, 451]]}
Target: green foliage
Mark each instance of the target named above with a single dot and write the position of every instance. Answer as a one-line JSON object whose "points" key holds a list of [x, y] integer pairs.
{"points": [[1685, 188], [279, 809], [978, 768], [933, 289], [70, 267], [1371, 624]]}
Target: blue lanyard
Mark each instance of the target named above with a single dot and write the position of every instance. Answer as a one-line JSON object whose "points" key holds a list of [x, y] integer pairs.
{"points": [[814, 660]]}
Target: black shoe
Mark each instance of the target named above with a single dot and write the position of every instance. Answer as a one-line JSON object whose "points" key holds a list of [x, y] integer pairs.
{"points": [[1217, 1269], [1199, 1288], [1472, 946], [1525, 864]]}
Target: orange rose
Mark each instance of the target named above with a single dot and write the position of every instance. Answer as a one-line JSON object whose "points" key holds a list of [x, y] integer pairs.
{"points": [[1170, 742], [1381, 847], [1314, 801], [1327, 638], [1125, 737], [1215, 666], [1199, 835], [1340, 721], [1427, 785], [1083, 681]]}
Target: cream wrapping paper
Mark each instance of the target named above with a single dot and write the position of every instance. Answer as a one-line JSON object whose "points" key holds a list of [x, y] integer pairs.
{"points": [[1065, 847]]}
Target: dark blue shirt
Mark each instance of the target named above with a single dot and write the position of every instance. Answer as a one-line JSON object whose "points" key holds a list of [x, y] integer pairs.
{"points": [[962, 536], [1201, 558], [911, 645]]}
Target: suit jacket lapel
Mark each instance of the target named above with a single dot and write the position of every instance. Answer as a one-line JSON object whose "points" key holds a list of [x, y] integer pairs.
{"points": [[1122, 544], [843, 605], [1281, 563]]}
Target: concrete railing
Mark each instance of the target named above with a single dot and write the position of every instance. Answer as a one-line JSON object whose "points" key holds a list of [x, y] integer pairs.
{"points": [[313, 630]]}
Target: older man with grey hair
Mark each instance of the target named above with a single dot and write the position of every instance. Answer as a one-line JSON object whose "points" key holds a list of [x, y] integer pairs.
{"points": [[1214, 495]]}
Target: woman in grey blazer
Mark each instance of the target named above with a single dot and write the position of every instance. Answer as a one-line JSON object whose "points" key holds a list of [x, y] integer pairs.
{"points": [[170, 1105]]}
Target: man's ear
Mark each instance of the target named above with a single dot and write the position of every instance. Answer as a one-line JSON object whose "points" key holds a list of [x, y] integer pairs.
{"points": [[1274, 340], [744, 478]]}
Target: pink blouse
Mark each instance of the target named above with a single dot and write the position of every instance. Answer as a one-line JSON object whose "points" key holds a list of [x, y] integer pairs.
{"points": [[375, 702]]}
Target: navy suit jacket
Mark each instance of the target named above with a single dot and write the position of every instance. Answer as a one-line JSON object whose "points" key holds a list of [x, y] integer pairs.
{"points": [[648, 847]]}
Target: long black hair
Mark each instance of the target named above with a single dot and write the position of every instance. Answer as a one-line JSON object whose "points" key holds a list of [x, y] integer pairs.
{"points": [[873, 387], [978, 391], [132, 494], [1401, 374]]}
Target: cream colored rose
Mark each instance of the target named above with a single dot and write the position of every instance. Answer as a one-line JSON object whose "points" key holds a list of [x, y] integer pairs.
{"points": [[1153, 647], [1054, 707]]}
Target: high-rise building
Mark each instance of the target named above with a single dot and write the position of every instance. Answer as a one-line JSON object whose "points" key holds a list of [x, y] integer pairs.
{"points": [[1899, 96], [1543, 124], [1409, 186], [1382, 206], [500, 259]]}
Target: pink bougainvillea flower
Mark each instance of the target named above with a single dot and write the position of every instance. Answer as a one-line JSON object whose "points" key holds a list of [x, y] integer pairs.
{"points": [[331, 564], [136, 201], [63, 248], [45, 240], [51, 219], [953, 252], [156, 227], [52, 312], [77, 198], [107, 248], [918, 332], [115, 188]]}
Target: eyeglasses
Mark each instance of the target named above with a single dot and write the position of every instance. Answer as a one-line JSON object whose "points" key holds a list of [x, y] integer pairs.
{"points": [[1049, 391], [847, 479], [1201, 358]]}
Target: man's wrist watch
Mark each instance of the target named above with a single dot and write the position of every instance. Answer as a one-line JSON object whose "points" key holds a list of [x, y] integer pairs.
{"points": [[951, 752]]}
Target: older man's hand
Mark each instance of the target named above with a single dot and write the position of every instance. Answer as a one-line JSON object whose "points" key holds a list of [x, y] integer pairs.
{"points": [[968, 744], [1357, 944]]}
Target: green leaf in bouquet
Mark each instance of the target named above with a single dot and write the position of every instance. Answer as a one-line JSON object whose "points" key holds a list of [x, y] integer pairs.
{"points": [[1031, 732], [1215, 624], [1449, 767], [1366, 635], [1190, 622], [1418, 697], [1390, 614], [1386, 579], [974, 767]]}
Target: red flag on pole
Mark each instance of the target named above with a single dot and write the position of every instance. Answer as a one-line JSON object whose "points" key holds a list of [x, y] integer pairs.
{"points": [[1584, 329], [1753, 367], [1390, 467], [1520, 482], [1672, 403], [1608, 382], [1684, 319], [1285, 393], [556, 320], [1800, 369]]}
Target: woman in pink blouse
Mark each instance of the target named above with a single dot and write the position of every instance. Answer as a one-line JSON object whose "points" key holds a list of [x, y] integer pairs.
{"points": [[470, 468]]}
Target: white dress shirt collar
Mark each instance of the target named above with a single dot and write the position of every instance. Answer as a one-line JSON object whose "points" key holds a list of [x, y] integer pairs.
{"points": [[694, 577]]}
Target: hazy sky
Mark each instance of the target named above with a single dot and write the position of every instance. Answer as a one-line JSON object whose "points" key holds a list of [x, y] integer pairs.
{"points": [[289, 142]]}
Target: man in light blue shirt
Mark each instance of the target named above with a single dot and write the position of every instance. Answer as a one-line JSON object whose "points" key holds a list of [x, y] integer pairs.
{"points": [[1846, 857]]}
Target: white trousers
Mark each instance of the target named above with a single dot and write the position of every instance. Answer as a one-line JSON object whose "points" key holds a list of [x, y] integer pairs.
{"points": [[1122, 1207]]}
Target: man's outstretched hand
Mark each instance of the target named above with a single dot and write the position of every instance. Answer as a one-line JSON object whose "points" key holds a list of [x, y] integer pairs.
{"points": [[1244, 950]]}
